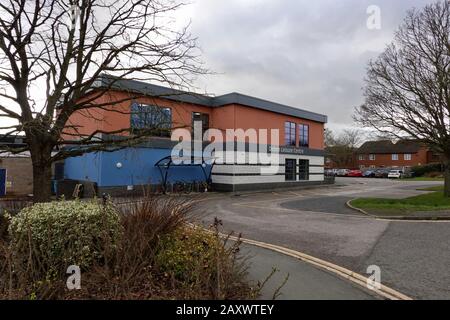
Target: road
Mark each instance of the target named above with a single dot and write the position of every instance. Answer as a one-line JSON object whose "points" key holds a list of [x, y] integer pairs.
{"points": [[414, 257]]}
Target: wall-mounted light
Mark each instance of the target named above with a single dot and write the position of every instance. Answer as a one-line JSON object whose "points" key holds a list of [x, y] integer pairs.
{"points": [[119, 165]]}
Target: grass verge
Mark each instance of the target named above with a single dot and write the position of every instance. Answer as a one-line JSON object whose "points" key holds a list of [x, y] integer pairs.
{"points": [[423, 179], [425, 202]]}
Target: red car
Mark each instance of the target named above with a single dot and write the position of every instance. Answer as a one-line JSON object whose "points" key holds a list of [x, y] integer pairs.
{"points": [[355, 173]]}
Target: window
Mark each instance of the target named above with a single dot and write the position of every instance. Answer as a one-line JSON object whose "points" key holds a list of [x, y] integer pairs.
{"points": [[156, 119], [303, 169], [394, 156], [290, 171], [203, 118], [303, 134], [372, 167], [362, 166], [407, 156], [361, 157], [371, 157], [289, 133]]}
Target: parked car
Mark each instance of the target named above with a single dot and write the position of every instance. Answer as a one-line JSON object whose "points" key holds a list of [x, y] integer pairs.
{"points": [[395, 174], [381, 173], [355, 173], [369, 173], [342, 172]]}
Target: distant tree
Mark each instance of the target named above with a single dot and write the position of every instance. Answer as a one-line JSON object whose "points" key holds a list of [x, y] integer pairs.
{"points": [[341, 148], [407, 90], [328, 137], [61, 48]]}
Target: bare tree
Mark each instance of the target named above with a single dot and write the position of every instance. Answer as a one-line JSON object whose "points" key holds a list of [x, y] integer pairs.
{"points": [[407, 91], [62, 47], [341, 148]]}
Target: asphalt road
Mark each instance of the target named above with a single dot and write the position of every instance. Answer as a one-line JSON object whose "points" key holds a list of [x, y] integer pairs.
{"points": [[414, 257]]}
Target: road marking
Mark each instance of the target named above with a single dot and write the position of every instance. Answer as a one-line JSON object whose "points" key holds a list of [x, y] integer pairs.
{"points": [[384, 291], [352, 276]]}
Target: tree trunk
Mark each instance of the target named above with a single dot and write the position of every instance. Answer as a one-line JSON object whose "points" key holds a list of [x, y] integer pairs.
{"points": [[447, 179], [42, 171], [42, 183]]}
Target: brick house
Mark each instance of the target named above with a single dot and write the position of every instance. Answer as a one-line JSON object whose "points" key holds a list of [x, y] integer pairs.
{"points": [[385, 153]]}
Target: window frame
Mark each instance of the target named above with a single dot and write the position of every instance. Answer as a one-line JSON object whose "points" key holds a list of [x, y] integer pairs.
{"points": [[303, 135], [407, 156], [165, 128], [372, 157], [290, 133], [394, 156]]}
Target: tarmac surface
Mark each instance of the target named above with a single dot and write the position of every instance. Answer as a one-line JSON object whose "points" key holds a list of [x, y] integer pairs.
{"points": [[414, 257]]}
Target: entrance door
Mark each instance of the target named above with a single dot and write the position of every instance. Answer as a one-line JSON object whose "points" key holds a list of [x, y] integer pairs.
{"points": [[290, 171], [2, 182], [303, 169]]}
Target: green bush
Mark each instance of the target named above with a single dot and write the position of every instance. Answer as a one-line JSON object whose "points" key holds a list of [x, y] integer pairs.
{"points": [[62, 233], [420, 171], [187, 251]]}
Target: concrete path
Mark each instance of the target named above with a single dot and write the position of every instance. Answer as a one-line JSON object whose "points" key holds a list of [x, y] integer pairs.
{"points": [[413, 256], [305, 282]]}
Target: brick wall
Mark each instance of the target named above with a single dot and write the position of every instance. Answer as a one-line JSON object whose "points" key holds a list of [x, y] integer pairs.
{"points": [[19, 178], [385, 160]]}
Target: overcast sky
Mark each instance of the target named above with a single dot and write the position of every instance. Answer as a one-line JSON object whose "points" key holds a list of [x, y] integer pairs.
{"points": [[308, 54]]}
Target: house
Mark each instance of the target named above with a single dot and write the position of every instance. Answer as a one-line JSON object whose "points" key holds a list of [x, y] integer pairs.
{"points": [[298, 147], [16, 170], [385, 153]]}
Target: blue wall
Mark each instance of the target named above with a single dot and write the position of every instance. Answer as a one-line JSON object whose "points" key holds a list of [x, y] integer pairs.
{"points": [[86, 167], [138, 168]]}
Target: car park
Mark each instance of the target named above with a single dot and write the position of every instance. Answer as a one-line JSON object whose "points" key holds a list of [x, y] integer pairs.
{"points": [[395, 174], [369, 174], [381, 173], [342, 172], [354, 173]]}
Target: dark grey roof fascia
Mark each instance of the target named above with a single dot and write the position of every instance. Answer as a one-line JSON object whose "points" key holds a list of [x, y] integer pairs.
{"points": [[152, 90], [262, 104], [141, 87]]}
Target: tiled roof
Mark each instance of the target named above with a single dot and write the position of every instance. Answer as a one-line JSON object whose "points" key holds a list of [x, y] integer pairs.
{"points": [[387, 146]]}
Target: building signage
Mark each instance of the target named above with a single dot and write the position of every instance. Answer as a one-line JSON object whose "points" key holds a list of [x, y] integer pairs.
{"points": [[286, 149]]}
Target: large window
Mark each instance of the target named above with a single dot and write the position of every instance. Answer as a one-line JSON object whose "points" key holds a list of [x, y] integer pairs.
{"points": [[156, 119], [371, 157], [289, 133], [303, 134], [407, 156], [203, 118], [361, 157], [394, 156]]}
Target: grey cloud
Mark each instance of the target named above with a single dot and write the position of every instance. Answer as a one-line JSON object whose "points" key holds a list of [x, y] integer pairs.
{"points": [[309, 54]]}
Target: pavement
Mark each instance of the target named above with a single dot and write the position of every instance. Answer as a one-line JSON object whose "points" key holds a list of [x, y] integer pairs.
{"points": [[304, 282], [413, 256]]}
